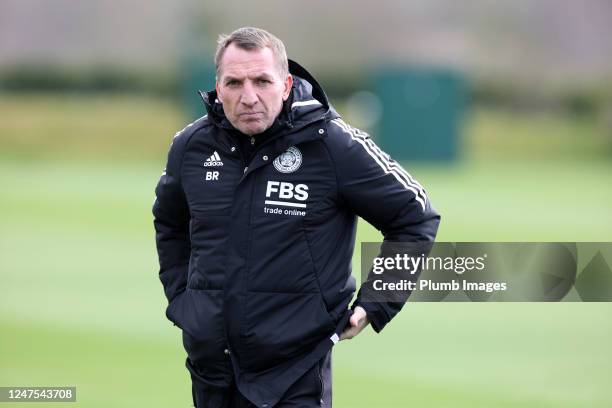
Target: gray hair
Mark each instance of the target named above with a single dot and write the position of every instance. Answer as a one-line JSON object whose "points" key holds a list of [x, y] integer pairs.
{"points": [[251, 38]]}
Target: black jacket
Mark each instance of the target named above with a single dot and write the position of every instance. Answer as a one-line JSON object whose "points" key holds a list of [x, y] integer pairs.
{"points": [[255, 256]]}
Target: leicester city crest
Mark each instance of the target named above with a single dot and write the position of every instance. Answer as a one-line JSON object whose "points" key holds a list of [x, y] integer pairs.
{"points": [[289, 161]]}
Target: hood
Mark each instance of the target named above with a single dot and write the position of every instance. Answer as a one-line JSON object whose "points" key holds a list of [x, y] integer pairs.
{"points": [[307, 102]]}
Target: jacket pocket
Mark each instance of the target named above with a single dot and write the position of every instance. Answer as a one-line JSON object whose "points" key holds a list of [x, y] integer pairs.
{"points": [[280, 326], [199, 313]]}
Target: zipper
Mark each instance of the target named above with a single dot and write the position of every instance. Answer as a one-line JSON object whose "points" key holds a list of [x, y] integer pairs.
{"points": [[245, 277], [320, 377], [245, 166]]}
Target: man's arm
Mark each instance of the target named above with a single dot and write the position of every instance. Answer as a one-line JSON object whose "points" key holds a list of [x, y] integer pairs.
{"points": [[380, 191], [171, 221]]}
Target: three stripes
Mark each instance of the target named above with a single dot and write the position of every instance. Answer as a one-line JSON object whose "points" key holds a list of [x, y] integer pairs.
{"points": [[385, 162], [214, 157]]}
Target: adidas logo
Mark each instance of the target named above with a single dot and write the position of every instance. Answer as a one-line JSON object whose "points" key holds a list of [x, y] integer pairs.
{"points": [[214, 160]]}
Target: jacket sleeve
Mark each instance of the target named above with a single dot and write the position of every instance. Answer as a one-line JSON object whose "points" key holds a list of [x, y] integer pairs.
{"points": [[379, 190], [171, 221]]}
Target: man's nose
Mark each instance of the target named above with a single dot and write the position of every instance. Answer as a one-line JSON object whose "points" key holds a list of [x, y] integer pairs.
{"points": [[249, 96]]}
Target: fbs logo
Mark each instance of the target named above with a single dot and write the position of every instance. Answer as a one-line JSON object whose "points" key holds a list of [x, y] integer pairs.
{"points": [[281, 190], [214, 160]]}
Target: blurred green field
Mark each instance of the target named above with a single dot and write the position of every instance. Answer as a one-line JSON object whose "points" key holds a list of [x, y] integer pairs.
{"points": [[82, 305]]}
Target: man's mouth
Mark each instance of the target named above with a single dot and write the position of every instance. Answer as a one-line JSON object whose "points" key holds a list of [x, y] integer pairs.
{"points": [[250, 114]]}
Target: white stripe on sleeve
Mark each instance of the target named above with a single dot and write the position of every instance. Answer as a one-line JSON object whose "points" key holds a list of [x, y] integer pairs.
{"points": [[386, 163]]}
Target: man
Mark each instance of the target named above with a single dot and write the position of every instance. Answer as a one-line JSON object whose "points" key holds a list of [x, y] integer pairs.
{"points": [[255, 218]]}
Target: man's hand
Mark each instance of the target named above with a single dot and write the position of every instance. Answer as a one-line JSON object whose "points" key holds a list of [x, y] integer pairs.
{"points": [[358, 321]]}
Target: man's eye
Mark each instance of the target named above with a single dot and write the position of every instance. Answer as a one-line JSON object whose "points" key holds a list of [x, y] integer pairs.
{"points": [[231, 83], [263, 81]]}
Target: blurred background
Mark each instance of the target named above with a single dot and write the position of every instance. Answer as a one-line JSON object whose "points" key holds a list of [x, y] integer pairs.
{"points": [[502, 110]]}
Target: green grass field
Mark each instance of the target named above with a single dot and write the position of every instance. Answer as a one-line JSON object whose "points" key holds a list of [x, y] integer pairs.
{"points": [[81, 303]]}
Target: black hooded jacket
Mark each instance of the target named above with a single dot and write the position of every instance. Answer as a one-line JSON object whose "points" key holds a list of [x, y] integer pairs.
{"points": [[255, 252]]}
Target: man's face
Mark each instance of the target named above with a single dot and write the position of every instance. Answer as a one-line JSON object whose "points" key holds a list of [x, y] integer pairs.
{"points": [[251, 88]]}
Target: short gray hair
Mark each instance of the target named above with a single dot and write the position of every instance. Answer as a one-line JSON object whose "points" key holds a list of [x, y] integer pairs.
{"points": [[251, 38]]}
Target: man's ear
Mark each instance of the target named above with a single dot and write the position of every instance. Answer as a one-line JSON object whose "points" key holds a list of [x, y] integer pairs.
{"points": [[218, 93], [288, 84]]}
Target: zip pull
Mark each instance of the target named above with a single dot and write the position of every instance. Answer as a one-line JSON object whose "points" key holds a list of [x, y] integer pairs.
{"points": [[252, 141]]}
